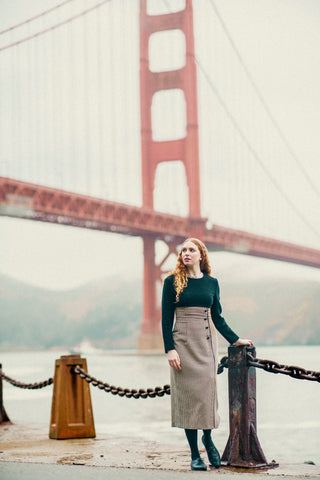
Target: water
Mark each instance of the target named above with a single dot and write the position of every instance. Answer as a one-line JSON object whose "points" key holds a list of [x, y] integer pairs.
{"points": [[288, 414]]}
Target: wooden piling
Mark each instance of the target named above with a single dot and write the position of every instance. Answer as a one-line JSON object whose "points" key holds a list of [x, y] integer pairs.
{"points": [[243, 448], [71, 412], [3, 414]]}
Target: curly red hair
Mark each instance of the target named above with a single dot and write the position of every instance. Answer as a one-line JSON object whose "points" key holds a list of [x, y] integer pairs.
{"points": [[181, 272]]}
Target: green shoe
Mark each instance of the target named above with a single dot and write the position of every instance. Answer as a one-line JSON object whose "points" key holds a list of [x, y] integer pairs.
{"points": [[213, 454], [198, 464]]}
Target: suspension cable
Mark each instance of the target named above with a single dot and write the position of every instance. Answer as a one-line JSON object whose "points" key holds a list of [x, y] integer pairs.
{"points": [[53, 27], [252, 150], [248, 144], [42, 14], [263, 101]]}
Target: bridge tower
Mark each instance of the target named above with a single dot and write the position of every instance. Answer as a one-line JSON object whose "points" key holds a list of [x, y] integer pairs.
{"points": [[185, 150]]}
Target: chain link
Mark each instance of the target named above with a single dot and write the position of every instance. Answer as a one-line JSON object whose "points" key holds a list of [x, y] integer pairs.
{"points": [[28, 386], [122, 392], [275, 367], [267, 365], [133, 393], [222, 365]]}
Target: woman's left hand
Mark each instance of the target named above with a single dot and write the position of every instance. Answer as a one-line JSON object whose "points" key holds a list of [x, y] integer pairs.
{"points": [[243, 341]]}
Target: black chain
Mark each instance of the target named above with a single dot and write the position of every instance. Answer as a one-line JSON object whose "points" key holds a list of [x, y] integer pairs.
{"points": [[133, 393], [274, 367], [267, 365], [222, 365], [29, 386], [122, 392]]}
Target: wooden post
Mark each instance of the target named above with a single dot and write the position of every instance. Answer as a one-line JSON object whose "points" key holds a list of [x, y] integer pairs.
{"points": [[3, 414], [71, 412], [243, 448]]}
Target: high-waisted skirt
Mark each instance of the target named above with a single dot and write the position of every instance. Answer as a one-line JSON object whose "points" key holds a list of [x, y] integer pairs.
{"points": [[194, 401]]}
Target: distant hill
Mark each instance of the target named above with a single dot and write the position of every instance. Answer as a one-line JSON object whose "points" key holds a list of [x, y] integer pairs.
{"points": [[281, 312], [108, 312]]}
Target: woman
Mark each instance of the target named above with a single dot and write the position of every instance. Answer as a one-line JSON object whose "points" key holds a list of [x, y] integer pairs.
{"points": [[191, 296]]}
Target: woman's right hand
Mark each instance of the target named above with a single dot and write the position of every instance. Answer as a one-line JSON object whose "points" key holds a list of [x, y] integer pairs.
{"points": [[174, 359]]}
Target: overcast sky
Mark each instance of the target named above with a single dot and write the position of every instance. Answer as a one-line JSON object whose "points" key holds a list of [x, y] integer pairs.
{"points": [[278, 41]]}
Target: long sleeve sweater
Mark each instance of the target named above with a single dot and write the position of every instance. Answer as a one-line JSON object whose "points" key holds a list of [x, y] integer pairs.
{"points": [[199, 292]]}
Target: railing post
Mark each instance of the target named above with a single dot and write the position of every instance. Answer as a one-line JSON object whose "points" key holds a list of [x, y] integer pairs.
{"points": [[71, 412], [243, 448], [3, 414]]}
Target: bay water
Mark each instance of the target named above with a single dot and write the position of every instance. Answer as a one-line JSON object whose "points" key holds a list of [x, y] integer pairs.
{"points": [[288, 410]]}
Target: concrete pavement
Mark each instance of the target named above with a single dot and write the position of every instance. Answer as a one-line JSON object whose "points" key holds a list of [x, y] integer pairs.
{"points": [[35, 471], [27, 453]]}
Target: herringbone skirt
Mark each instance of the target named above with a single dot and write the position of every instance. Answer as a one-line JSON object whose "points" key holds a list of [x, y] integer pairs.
{"points": [[194, 400]]}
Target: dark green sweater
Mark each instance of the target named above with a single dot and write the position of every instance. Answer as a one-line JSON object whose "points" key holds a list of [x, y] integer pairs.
{"points": [[200, 292]]}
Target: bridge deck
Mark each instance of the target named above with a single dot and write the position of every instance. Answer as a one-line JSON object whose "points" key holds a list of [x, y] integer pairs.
{"points": [[35, 202]]}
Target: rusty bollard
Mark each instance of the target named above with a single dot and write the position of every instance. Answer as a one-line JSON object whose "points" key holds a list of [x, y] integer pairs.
{"points": [[71, 411], [243, 448], [3, 414]]}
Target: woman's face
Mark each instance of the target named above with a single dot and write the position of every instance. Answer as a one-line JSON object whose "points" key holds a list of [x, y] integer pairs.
{"points": [[190, 254]]}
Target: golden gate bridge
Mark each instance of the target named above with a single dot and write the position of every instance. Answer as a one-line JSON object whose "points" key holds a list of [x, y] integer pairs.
{"points": [[80, 129]]}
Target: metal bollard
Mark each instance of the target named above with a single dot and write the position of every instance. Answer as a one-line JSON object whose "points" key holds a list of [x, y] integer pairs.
{"points": [[71, 412], [3, 414], [243, 448]]}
